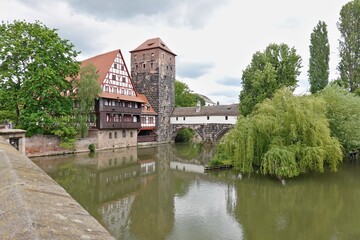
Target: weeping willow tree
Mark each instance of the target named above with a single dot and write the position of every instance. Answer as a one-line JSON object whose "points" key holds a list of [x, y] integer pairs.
{"points": [[285, 136]]}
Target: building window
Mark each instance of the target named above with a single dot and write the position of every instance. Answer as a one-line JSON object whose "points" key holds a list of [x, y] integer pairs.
{"points": [[184, 118], [110, 135], [144, 65], [135, 57], [115, 65], [167, 67], [108, 117], [115, 136], [116, 118], [106, 102], [136, 66], [134, 119], [123, 134], [151, 65], [122, 68], [143, 119], [208, 117], [177, 118], [163, 55], [130, 93], [122, 91], [106, 88], [114, 90], [143, 56], [113, 77], [152, 54], [124, 79], [226, 117], [131, 134]]}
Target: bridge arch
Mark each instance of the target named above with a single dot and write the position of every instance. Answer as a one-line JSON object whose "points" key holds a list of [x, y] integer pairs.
{"points": [[208, 132]]}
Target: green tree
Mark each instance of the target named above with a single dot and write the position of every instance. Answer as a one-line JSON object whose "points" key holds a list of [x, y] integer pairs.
{"points": [[343, 112], [319, 58], [87, 89], [349, 27], [285, 136], [184, 97], [278, 66], [34, 62]]}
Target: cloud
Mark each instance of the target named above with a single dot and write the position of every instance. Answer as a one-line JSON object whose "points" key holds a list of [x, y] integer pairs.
{"points": [[234, 93], [193, 70], [167, 12], [230, 81]]}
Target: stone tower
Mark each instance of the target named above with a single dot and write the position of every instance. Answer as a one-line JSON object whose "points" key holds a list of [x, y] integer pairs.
{"points": [[153, 74]]}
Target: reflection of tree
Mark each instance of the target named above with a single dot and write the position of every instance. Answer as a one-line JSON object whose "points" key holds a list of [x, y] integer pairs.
{"points": [[299, 210], [80, 185], [187, 151], [152, 214]]}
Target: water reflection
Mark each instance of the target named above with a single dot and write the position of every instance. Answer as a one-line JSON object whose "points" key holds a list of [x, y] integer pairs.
{"points": [[164, 193]]}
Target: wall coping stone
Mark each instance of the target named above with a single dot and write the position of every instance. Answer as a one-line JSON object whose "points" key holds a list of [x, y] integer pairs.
{"points": [[34, 206]]}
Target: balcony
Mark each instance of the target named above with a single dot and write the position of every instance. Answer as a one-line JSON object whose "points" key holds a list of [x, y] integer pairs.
{"points": [[119, 109], [121, 125]]}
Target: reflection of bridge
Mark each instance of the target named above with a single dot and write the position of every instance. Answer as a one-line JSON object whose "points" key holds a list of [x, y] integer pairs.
{"points": [[210, 122]]}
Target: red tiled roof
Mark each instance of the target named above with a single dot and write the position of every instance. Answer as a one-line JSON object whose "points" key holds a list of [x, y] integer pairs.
{"points": [[151, 44], [121, 97], [151, 110], [102, 63]]}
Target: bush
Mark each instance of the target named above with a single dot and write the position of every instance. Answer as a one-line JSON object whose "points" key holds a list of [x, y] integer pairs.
{"points": [[92, 148]]}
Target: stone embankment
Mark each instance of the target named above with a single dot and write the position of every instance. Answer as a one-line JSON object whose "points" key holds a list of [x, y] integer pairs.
{"points": [[33, 206]]}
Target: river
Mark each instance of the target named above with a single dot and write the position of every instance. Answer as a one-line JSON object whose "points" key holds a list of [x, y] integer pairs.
{"points": [[164, 193]]}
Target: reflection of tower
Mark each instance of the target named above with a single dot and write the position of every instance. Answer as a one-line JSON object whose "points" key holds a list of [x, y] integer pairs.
{"points": [[153, 74], [152, 214]]}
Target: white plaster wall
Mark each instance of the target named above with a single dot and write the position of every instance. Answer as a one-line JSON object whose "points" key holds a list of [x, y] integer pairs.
{"points": [[203, 119]]}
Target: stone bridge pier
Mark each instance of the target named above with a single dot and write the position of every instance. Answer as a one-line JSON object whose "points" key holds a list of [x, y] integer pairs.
{"points": [[208, 132]]}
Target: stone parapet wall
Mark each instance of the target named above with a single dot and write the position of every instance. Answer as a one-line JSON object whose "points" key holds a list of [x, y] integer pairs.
{"points": [[43, 145], [33, 206]]}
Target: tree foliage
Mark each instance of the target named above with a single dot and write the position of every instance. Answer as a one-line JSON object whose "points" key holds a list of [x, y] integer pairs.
{"points": [[343, 112], [319, 58], [285, 136], [87, 89], [34, 62], [184, 96], [349, 27], [276, 67]]}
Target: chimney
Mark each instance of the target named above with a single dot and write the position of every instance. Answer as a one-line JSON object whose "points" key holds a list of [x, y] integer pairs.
{"points": [[198, 106]]}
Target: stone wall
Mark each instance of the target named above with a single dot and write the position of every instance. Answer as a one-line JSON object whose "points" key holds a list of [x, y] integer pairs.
{"points": [[42, 145], [33, 206]]}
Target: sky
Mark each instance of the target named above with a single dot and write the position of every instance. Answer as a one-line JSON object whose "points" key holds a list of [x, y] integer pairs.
{"points": [[214, 40]]}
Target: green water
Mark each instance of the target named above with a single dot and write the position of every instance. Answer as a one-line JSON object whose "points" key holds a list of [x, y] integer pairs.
{"points": [[164, 193]]}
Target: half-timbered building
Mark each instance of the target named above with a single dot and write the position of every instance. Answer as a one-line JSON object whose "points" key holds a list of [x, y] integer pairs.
{"points": [[118, 108]]}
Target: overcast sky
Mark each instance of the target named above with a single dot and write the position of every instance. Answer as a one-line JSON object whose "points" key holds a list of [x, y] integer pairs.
{"points": [[214, 40]]}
